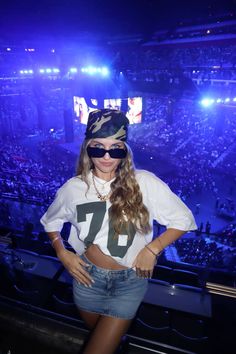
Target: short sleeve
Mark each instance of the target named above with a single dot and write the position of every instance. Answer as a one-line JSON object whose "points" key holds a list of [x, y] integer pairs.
{"points": [[57, 213], [167, 208]]}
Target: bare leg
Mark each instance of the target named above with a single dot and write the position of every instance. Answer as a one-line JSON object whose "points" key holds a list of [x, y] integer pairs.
{"points": [[89, 318], [107, 335]]}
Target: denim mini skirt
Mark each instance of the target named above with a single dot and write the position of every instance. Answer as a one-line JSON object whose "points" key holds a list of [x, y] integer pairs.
{"points": [[115, 293]]}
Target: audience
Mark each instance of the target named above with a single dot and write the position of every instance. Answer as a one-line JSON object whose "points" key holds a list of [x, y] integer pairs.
{"points": [[198, 141]]}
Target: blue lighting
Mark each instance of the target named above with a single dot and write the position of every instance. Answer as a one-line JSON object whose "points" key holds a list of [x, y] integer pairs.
{"points": [[105, 71], [48, 71], [42, 71], [91, 70], [73, 70], [206, 102], [26, 72]]}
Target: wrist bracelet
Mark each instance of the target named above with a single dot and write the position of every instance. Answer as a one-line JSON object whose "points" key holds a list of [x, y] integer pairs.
{"points": [[55, 239], [162, 248], [150, 250], [155, 254]]}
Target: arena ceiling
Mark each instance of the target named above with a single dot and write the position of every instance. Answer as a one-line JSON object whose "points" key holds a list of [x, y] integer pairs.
{"points": [[63, 18]]}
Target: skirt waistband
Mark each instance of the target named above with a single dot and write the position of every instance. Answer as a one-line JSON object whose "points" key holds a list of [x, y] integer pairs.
{"points": [[106, 271]]}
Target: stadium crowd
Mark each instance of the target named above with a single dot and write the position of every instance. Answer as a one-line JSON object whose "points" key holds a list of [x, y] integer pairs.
{"points": [[187, 144]]}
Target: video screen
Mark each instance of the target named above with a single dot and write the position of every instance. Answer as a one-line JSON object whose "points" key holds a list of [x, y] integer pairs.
{"points": [[82, 108], [135, 109], [113, 103], [132, 106]]}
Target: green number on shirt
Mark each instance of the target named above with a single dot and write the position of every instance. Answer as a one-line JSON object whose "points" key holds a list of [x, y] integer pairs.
{"points": [[98, 209], [115, 249]]}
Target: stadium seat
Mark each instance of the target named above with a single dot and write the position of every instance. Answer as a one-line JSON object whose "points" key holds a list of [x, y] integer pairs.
{"points": [[151, 322], [62, 300], [180, 276], [189, 332], [163, 273]]}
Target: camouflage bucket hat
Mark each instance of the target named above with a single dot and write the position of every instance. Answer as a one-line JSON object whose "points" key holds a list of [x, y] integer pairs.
{"points": [[107, 123]]}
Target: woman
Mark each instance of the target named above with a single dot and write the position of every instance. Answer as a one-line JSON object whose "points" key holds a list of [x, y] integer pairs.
{"points": [[111, 207]]}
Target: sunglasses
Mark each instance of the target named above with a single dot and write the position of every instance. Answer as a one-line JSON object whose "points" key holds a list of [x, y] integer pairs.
{"points": [[114, 153]]}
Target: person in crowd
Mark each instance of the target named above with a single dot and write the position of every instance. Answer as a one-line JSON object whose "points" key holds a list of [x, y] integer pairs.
{"points": [[111, 206]]}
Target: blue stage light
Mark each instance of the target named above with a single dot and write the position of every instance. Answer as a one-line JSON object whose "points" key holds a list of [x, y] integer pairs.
{"points": [[21, 71], [234, 99], [48, 71], [42, 71], [105, 71], [206, 102], [73, 70], [31, 71], [227, 100], [55, 70], [91, 70]]}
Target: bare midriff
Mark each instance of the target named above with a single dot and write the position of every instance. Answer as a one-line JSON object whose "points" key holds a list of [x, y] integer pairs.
{"points": [[97, 257]]}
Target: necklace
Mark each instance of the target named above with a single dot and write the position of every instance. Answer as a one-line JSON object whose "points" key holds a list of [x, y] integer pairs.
{"points": [[99, 195], [99, 182]]}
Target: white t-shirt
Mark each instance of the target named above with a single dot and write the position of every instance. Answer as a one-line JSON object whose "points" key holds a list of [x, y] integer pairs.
{"points": [[91, 221]]}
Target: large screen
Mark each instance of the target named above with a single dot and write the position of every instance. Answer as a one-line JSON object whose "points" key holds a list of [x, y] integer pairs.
{"points": [[82, 108], [133, 110]]}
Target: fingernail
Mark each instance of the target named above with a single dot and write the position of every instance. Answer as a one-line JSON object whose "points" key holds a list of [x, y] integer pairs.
{"points": [[93, 281]]}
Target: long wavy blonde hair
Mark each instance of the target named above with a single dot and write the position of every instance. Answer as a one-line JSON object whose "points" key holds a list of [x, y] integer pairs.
{"points": [[126, 198]]}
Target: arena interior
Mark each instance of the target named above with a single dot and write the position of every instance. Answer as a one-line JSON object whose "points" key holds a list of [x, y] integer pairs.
{"points": [[172, 68]]}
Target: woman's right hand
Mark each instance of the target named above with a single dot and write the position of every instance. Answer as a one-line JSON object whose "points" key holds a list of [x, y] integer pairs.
{"points": [[75, 266]]}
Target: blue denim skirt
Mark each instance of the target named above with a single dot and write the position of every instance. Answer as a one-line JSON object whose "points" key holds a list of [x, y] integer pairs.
{"points": [[115, 293]]}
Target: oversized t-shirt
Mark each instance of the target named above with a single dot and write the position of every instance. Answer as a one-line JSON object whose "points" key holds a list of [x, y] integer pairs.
{"points": [[91, 218]]}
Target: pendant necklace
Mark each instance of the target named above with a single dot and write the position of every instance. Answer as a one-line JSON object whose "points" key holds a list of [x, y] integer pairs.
{"points": [[100, 183], [99, 195]]}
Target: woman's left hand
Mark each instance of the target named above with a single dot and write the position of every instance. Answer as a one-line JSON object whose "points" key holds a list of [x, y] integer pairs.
{"points": [[144, 263]]}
